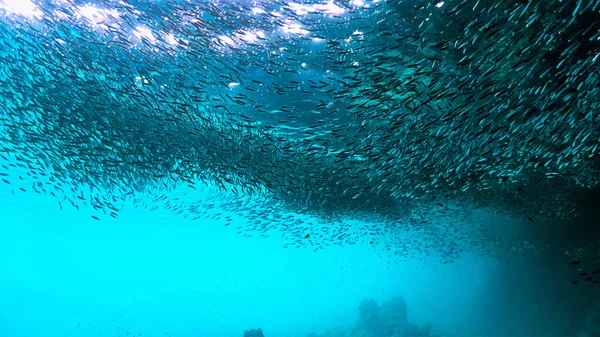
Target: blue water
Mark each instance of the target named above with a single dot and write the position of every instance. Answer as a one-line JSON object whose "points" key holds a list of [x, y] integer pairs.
{"points": [[156, 274]]}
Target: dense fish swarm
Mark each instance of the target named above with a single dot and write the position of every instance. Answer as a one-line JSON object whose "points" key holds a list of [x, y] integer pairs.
{"points": [[403, 114]]}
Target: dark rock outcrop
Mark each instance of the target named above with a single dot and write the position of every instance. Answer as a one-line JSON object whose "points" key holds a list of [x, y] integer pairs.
{"points": [[254, 333]]}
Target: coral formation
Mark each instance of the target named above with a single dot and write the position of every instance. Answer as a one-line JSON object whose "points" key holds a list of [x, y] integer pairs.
{"points": [[387, 320]]}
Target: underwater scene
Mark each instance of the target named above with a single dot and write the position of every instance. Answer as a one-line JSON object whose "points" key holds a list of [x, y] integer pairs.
{"points": [[299, 168]]}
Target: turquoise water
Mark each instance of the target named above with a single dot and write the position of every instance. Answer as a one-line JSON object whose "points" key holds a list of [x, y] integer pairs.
{"points": [[153, 273], [157, 274]]}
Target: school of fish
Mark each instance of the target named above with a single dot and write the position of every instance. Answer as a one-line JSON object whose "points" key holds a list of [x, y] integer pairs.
{"points": [[332, 121]]}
